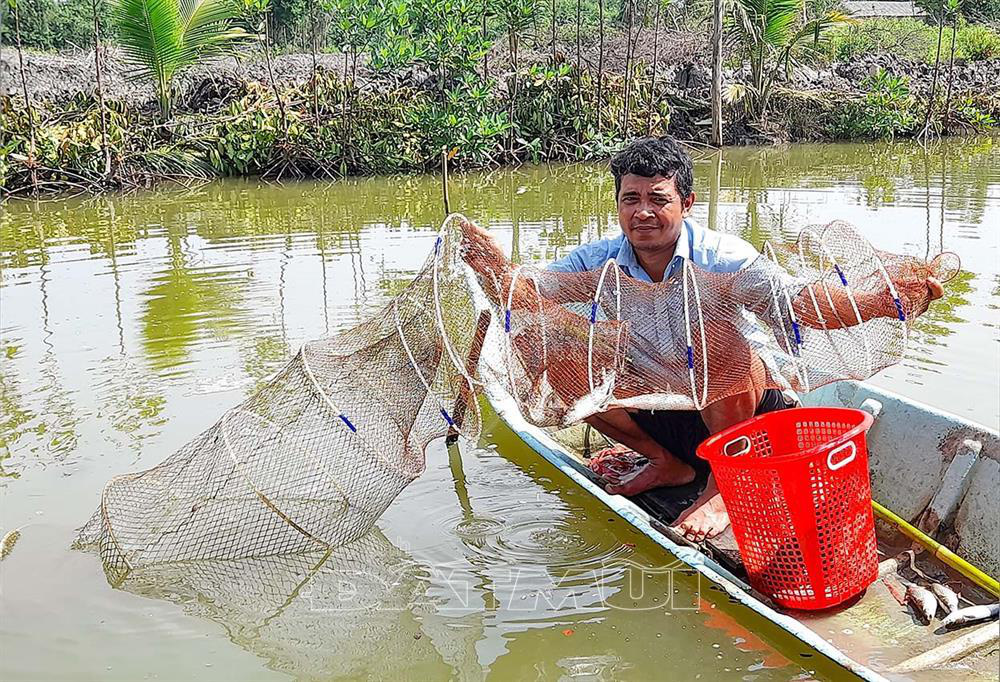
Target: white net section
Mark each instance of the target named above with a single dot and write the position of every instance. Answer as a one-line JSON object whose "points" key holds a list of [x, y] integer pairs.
{"points": [[311, 461]]}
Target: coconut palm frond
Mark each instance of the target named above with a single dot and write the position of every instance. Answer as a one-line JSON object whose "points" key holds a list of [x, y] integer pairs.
{"points": [[817, 27], [147, 33], [163, 37], [734, 92], [207, 27], [767, 21]]}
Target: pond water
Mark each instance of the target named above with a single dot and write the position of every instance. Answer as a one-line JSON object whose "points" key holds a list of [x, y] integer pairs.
{"points": [[129, 324]]}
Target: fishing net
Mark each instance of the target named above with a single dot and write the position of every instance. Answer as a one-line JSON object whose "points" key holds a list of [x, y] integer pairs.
{"points": [[312, 460]]}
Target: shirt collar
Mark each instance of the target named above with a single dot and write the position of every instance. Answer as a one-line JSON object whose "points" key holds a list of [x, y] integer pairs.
{"points": [[628, 261]]}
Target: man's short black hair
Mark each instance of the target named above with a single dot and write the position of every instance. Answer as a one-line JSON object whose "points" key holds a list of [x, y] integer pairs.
{"points": [[652, 156]]}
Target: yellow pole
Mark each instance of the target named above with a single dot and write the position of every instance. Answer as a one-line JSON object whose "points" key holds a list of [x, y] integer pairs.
{"points": [[974, 574]]}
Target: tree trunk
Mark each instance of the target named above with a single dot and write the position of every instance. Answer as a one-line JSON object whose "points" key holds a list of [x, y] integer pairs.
{"points": [[553, 6], [344, 118], [163, 95], [757, 78], [717, 74], [652, 85], [270, 76], [600, 61], [951, 71], [630, 8], [105, 150], [32, 166], [315, 74], [934, 79], [486, 54], [512, 89], [579, 59]]}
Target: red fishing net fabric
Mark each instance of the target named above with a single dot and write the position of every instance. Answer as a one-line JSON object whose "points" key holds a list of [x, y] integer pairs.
{"points": [[312, 460]]}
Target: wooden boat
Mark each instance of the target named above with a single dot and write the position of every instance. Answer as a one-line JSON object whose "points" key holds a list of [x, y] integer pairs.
{"points": [[938, 472]]}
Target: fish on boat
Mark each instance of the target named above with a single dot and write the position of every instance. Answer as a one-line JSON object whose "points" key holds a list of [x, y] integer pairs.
{"points": [[923, 601], [946, 597], [971, 614], [935, 471]]}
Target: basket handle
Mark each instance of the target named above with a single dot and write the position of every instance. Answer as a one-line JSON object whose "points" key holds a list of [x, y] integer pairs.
{"points": [[745, 450], [844, 462]]}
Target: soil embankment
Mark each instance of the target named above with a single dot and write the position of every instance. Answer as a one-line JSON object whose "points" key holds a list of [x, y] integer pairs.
{"points": [[683, 72]]}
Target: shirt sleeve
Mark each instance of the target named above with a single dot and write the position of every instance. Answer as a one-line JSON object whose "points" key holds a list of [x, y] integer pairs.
{"points": [[585, 257]]}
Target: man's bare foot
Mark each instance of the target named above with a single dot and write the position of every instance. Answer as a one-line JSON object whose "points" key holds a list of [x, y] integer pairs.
{"points": [[704, 519], [655, 474]]}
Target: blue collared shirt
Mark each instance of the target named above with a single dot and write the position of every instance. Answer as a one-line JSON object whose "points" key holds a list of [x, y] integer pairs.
{"points": [[711, 251], [708, 249]]}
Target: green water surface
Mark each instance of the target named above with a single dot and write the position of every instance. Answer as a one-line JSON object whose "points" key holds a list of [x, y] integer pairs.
{"points": [[130, 324]]}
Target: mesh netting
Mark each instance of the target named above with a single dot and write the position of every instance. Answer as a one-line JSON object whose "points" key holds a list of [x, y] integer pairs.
{"points": [[312, 460]]}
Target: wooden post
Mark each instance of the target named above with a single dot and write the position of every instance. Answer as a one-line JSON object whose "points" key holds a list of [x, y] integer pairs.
{"points": [[458, 413], [444, 180], [717, 74]]}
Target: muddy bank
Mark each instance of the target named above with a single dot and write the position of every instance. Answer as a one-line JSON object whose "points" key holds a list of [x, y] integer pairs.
{"points": [[60, 77], [683, 80]]}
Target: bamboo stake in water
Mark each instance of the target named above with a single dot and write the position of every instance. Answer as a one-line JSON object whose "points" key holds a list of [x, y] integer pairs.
{"points": [[445, 155]]}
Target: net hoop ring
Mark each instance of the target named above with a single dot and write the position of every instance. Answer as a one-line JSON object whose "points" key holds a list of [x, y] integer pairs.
{"points": [[768, 251], [593, 313], [106, 520], [420, 375], [809, 287], [248, 479], [458, 364], [894, 295], [340, 414], [688, 274], [310, 455], [509, 346], [825, 253]]}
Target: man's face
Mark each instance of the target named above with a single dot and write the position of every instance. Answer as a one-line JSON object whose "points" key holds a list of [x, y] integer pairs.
{"points": [[651, 212]]}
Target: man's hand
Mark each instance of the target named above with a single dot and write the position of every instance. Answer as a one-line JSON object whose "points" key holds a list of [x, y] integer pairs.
{"points": [[918, 294], [481, 252]]}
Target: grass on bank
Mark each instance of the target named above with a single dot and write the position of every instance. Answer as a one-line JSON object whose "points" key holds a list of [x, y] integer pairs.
{"points": [[911, 39]]}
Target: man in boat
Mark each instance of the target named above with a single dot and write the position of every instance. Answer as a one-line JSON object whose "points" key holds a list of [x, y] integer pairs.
{"points": [[654, 195]]}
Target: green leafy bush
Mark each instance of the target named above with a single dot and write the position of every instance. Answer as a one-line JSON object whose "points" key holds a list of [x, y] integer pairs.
{"points": [[887, 110], [54, 24], [910, 38], [978, 42], [976, 113]]}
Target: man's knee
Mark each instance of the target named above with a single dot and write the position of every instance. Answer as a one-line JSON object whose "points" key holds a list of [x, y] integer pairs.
{"points": [[731, 410]]}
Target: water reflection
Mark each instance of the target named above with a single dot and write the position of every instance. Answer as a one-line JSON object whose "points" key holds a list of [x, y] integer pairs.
{"points": [[362, 608]]}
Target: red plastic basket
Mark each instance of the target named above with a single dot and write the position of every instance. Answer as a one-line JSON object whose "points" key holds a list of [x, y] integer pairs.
{"points": [[796, 485]]}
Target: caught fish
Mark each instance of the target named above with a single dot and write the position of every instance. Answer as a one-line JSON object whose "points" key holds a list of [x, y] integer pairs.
{"points": [[7, 544], [945, 596], [617, 464], [923, 601], [971, 614], [895, 589]]}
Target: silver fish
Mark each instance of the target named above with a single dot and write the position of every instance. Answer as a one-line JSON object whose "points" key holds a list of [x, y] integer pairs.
{"points": [[946, 596], [923, 601], [971, 614]]}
